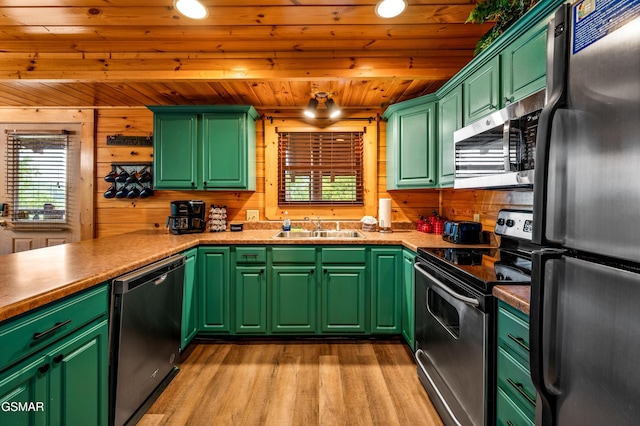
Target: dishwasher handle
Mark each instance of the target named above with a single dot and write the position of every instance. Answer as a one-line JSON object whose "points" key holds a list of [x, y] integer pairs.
{"points": [[464, 299], [160, 280]]}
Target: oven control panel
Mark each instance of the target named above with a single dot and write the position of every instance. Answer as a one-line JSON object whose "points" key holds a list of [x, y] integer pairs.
{"points": [[515, 223]]}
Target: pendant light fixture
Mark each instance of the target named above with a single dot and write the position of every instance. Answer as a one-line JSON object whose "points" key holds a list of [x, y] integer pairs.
{"points": [[191, 8], [312, 106], [390, 8]]}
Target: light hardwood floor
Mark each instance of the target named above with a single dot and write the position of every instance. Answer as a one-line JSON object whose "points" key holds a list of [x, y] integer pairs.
{"points": [[308, 382]]}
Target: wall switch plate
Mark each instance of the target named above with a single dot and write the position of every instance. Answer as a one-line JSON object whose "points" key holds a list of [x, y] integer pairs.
{"points": [[253, 215], [476, 217]]}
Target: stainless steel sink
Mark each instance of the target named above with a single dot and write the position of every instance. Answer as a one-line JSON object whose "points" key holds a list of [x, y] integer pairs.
{"points": [[318, 234]]}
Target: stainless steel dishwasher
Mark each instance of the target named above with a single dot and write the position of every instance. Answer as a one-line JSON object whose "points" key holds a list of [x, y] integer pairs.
{"points": [[144, 337]]}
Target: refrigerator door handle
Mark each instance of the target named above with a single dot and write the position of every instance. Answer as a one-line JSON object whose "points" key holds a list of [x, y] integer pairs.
{"points": [[557, 50], [538, 341]]}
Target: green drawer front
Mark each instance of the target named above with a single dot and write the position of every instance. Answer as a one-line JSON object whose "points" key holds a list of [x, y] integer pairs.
{"points": [[350, 255], [515, 379], [293, 255], [26, 335], [508, 412], [251, 255], [513, 331]]}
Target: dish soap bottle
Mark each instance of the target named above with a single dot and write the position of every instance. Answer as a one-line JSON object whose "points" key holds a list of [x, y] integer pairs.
{"points": [[286, 223]]}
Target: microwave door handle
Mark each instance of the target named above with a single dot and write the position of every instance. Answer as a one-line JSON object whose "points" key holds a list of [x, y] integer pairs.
{"points": [[464, 299], [557, 50]]}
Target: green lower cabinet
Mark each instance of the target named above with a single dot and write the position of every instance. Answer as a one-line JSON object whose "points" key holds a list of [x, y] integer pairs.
{"points": [[213, 284], [251, 299], [408, 298], [386, 280], [63, 385], [293, 299], [190, 298], [516, 395], [343, 299]]}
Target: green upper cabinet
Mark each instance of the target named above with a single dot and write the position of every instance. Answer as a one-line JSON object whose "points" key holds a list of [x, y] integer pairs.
{"points": [[175, 153], [449, 120], [481, 91], [204, 147], [412, 144], [190, 298], [524, 64], [386, 281]]}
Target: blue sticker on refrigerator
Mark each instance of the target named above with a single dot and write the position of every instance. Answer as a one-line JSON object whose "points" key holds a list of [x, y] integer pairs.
{"points": [[594, 19]]}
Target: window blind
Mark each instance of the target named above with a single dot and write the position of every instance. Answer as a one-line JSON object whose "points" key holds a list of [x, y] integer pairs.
{"points": [[38, 179], [320, 168]]}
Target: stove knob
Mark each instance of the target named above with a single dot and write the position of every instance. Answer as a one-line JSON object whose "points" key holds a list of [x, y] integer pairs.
{"points": [[501, 221], [510, 222]]}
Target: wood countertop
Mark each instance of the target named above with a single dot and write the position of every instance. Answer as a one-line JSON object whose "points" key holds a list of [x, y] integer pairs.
{"points": [[517, 296], [35, 278]]}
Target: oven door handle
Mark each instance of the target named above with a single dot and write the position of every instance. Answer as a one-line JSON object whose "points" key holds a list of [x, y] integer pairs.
{"points": [[468, 300]]}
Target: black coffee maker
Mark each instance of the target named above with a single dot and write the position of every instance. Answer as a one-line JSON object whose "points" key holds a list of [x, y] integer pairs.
{"points": [[187, 217]]}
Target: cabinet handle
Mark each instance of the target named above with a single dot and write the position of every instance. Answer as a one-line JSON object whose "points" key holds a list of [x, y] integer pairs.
{"points": [[519, 340], [325, 271], [509, 423], [43, 368], [520, 388], [37, 336], [262, 271], [204, 184], [193, 184], [58, 358], [312, 271]]}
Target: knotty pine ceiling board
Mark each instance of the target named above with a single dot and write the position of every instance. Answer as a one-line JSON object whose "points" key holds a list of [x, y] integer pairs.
{"points": [[273, 54]]}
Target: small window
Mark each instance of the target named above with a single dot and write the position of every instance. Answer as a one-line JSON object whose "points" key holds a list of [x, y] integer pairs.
{"points": [[320, 168], [38, 179]]}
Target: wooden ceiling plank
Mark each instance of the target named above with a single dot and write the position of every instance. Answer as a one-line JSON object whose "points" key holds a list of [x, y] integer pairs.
{"points": [[229, 15]]}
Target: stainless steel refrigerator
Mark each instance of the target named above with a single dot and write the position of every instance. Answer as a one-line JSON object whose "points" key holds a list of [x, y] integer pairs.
{"points": [[585, 301]]}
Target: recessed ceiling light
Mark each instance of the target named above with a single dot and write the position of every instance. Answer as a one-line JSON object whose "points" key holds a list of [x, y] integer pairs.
{"points": [[390, 8], [191, 8]]}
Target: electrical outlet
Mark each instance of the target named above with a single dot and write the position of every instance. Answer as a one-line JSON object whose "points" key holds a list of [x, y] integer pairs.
{"points": [[253, 215], [476, 217]]}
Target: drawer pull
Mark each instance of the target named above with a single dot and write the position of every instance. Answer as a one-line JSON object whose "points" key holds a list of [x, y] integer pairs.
{"points": [[43, 369], [520, 388], [519, 340], [58, 358], [253, 255], [37, 336]]}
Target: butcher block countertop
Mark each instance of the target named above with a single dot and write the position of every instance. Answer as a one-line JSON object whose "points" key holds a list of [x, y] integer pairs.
{"points": [[35, 278], [517, 296]]}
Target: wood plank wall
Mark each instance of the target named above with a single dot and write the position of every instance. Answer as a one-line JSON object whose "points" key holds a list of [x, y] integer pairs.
{"points": [[116, 216]]}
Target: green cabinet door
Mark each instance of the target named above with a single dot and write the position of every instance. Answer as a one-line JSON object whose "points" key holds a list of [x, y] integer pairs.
{"points": [[213, 284], [343, 293], [386, 280], [25, 383], [524, 64], [293, 299], [481, 91], [408, 298], [175, 151], [449, 120], [79, 379], [225, 151], [190, 298], [415, 148], [251, 299]]}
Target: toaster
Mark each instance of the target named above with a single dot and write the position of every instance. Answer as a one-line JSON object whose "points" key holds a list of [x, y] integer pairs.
{"points": [[463, 232]]}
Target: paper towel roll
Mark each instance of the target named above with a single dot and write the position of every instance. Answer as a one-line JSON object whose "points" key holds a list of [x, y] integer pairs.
{"points": [[384, 213]]}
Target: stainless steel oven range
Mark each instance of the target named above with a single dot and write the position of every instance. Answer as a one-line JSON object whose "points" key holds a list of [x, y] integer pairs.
{"points": [[455, 318]]}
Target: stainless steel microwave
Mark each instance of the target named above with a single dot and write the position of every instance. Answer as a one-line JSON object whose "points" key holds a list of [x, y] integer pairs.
{"points": [[498, 151]]}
